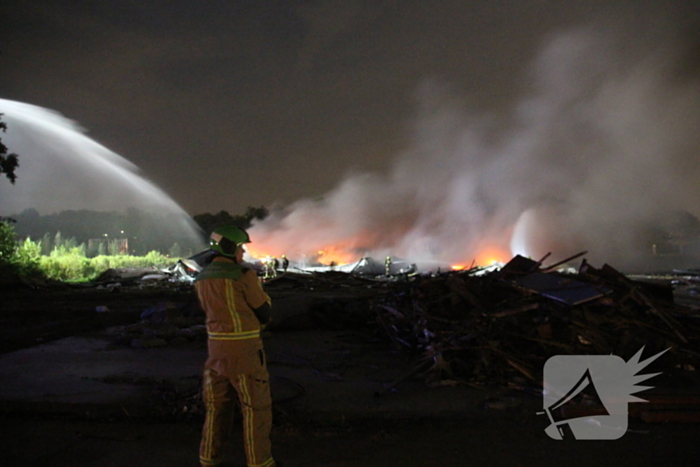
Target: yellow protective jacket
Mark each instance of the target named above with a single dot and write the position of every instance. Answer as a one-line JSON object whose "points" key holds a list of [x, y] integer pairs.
{"points": [[229, 292]]}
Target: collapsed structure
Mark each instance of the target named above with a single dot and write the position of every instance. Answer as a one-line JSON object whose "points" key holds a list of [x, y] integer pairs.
{"points": [[477, 327], [503, 325], [500, 323]]}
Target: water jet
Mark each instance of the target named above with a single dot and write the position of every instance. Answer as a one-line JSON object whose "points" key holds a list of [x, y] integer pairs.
{"points": [[61, 168]]}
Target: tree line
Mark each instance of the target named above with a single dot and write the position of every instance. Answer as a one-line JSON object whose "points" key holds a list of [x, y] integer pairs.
{"points": [[208, 222], [100, 231], [9, 161], [78, 245], [103, 233]]}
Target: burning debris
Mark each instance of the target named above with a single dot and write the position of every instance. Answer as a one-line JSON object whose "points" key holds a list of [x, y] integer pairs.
{"points": [[503, 325], [481, 326]]}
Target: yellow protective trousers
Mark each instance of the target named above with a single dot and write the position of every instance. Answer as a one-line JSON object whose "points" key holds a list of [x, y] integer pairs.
{"points": [[236, 368]]}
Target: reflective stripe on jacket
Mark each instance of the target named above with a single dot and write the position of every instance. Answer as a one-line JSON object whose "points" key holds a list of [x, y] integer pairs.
{"points": [[228, 293]]}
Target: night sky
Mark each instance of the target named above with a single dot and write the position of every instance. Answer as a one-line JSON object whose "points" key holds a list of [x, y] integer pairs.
{"points": [[228, 104]]}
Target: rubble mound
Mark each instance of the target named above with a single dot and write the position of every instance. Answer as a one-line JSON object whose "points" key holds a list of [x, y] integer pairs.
{"points": [[503, 325]]}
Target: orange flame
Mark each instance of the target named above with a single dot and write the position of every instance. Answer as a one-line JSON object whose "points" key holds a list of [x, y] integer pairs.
{"points": [[260, 254], [335, 254], [348, 250], [487, 256]]}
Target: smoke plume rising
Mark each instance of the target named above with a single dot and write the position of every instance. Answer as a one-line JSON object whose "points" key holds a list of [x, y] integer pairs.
{"points": [[603, 144]]}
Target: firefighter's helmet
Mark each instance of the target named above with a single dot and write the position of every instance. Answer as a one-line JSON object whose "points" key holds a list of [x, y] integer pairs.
{"points": [[226, 240]]}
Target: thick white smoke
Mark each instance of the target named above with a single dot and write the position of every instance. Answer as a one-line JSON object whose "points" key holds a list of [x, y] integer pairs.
{"points": [[604, 142]]}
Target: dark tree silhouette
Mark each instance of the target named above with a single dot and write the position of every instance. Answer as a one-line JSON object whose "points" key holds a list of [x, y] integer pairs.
{"points": [[208, 222], [8, 162]]}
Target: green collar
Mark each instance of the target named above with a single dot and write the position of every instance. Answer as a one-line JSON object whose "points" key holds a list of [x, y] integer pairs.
{"points": [[221, 270]]}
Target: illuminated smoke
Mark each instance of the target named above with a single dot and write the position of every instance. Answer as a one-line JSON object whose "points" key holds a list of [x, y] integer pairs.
{"points": [[603, 143]]}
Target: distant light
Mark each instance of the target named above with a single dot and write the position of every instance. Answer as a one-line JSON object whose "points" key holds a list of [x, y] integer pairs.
{"points": [[105, 235], [121, 231]]}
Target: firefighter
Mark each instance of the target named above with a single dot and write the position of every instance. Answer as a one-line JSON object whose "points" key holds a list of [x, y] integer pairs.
{"points": [[267, 262], [236, 310], [387, 266], [285, 263]]}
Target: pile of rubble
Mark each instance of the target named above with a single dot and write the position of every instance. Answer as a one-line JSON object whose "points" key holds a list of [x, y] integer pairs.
{"points": [[477, 326], [503, 325]]}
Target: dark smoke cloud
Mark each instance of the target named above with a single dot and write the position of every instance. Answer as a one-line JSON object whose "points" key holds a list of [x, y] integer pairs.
{"points": [[604, 144]]}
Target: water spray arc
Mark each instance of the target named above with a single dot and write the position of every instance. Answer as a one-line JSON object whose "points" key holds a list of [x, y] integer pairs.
{"points": [[63, 169]]}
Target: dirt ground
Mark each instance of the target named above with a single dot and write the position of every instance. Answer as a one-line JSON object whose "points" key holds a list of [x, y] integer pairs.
{"points": [[499, 441], [488, 426]]}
